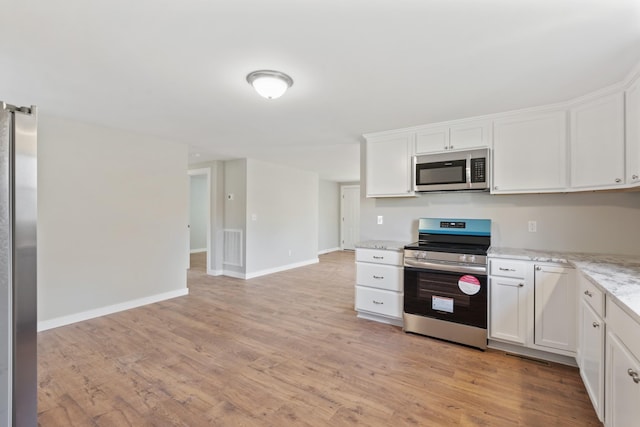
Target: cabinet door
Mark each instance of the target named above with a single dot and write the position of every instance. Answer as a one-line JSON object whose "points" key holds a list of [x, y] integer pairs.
{"points": [[597, 143], [632, 97], [529, 153], [591, 355], [555, 304], [432, 140], [508, 309], [473, 134], [622, 392], [389, 166]]}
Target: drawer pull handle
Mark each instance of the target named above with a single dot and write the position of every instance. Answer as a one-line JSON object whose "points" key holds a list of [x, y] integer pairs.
{"points": [[596, 324], [378, 257], [378, 302], [507, 269], [378, 277], [589, 294], [633, 374]]}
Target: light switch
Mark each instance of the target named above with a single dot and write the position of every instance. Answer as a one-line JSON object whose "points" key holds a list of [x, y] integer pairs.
{"points": [[533, 226]]}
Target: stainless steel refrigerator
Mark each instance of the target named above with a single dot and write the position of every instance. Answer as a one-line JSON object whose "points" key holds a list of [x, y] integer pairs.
{"points": [[18, 197]]}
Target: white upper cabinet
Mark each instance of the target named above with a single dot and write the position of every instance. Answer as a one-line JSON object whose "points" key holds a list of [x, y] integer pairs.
{"points": [[389, 165], [597, 143], [458, 136], [632, 97], [529, 153], [432, 140]]}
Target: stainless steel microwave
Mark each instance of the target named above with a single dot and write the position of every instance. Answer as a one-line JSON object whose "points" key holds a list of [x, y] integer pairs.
{"points": [[453, 170]]}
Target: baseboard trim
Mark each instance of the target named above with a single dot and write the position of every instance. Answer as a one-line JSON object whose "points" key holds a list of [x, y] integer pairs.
{"points": [[326, 251], [281, 268], [110, 309], [215, 272], [197, 251], [267, 271], [532, 353]]}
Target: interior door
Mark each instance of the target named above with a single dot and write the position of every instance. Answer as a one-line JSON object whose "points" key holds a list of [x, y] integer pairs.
{"points": [[350, 216]]}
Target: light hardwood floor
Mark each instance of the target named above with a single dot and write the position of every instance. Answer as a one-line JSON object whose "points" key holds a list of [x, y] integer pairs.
{"points": [[286, 349]]}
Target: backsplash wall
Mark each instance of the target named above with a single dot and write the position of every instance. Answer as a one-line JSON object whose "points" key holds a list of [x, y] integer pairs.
{"points": [[579, 222]]}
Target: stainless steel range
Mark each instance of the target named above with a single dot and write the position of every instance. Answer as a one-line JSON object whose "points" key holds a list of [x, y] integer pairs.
{"points": [[445, 280]]}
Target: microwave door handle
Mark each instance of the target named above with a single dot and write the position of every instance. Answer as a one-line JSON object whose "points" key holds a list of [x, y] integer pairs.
{"points": [[468, 170]]}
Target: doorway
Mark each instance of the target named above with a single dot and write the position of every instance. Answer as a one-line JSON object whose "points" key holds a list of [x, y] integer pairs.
{"points": [[199, 217], [350, 216]]}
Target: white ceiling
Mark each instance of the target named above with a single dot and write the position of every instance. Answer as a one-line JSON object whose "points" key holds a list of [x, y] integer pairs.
{"points": [[176, 69]]}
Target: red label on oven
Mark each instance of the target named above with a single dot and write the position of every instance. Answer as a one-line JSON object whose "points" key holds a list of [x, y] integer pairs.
{"points": [[470, 285]]}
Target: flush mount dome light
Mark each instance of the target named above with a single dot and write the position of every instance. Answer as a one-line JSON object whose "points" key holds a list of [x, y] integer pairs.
{"points": [[269, 84]]}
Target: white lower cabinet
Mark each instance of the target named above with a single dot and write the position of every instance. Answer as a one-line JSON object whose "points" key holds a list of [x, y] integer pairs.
{"points": [[555, 305], [379, 285], [591, 356], [533, 305], [508, 317], [622, 373]]}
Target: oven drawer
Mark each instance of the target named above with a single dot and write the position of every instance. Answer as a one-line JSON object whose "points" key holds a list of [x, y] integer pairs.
{"points": [[379, 301], [379, 256], [380, 276], [507, 268]]}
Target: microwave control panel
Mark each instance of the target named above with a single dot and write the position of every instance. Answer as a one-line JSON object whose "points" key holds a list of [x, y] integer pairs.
{"points": [[478, 170]]}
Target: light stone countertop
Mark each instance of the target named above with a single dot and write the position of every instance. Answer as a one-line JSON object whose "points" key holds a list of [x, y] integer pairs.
{"points": [[617, 275], [389, 245]]}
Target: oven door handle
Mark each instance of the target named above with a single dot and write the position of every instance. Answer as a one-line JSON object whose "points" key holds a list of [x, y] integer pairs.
{"points": [[445, 267]]}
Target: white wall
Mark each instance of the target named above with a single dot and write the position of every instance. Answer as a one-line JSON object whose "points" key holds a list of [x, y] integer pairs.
{"points": [[198, 213], [112, 218], [586, 222], [235, 209], [284, 203], [328, 216]]}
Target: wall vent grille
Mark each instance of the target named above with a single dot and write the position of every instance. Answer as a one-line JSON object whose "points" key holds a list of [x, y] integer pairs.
{"points": [[233, 247]]}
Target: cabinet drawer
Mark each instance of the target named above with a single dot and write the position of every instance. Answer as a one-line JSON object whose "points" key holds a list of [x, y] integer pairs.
{"points": [[387, 303], [379, 256], [507, 268], [624, 326], [592, 295], [380, 276]]}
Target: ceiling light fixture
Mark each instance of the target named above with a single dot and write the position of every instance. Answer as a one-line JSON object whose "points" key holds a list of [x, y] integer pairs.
{"points": [[269, 84]]}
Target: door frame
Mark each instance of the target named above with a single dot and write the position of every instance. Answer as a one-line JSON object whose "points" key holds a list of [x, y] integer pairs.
{"points": [[206, 172], [342, 188]]}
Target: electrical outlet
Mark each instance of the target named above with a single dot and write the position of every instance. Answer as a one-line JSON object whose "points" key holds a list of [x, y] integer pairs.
{"points": [[380, 219], [533, 226]]}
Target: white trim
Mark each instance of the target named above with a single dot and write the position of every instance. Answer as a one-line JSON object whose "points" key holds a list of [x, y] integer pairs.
{"points": [[532, 353], [197, 251], [215, 272], [341, 219], [282, 268], [234, 274], [326, 251], [109, 309], [253, 275], [207, 172]]}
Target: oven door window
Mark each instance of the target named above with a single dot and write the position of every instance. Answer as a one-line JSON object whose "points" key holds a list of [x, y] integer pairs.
{"points": [[452, 172], [454, 297]]}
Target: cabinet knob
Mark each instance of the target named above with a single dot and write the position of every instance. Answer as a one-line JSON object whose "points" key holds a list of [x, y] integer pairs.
{"points": [[634, 176], [596, 324], [538, 268], [589, 294], [618, 180], [634, 375], [446, 148], [495, 187], [520, 285], [451, 147]]}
